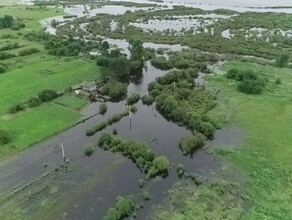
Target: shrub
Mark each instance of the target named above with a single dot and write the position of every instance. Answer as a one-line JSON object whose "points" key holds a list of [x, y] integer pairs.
{"points": [[29, 51], [207, 129], [124, 206], [180, 169], [5, 137], [160, 165], [146, 196], [34, 102], [278, 80], [102, 108], [2, 69], [47, 95], [133, 98], [250, 86], [16, 108], [88, 150], [191, 143], [147, 100]]}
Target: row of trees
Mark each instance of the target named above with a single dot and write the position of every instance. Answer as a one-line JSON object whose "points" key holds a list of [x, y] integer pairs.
{"points": [[139, 153], [44, 96]]}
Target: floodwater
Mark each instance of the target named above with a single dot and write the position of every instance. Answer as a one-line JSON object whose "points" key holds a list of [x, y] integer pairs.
{"points": [[91, 184]]}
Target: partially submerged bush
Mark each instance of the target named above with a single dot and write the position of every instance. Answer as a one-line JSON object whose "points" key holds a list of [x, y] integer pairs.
{"points": [[88, 150], [102, 108], [123, 207], [146, 196], [5, 137], [133, 98], [147, 100], [191, 143]]}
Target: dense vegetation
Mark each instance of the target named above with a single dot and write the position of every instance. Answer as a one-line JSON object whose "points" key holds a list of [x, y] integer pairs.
{"points": [[138, 152], [178, 99]]}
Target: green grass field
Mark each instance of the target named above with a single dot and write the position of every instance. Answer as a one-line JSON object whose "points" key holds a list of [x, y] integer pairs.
{"points": [[30, 14], [28, 75], [264, 156]]}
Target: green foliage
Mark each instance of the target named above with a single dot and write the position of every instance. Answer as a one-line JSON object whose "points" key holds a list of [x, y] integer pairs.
{"points": [[2, 69], [88, 150], [5, 56], [120, 68], [278, 80], [16, 108], [137, 50], [161, 63], [123, 207], [133, 98], [159, 166], [5, 137], [116, 90], [147, 100], [29, 51], [47, 95], [98, 127], [34, 102], [139, 153], [6, 21], [102, 108], [146, 196], [249, 81], [282, 60], [189, 144], [180, 169]]}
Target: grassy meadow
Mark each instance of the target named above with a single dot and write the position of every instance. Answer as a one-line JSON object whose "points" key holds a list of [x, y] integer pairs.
{"points": [[27, 75]]}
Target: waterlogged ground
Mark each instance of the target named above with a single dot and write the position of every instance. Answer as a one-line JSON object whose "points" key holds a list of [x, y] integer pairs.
{"points": [[36, 182]]}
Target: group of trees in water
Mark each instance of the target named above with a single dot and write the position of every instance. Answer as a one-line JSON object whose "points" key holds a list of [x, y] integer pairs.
{"points": [[138, 152]]}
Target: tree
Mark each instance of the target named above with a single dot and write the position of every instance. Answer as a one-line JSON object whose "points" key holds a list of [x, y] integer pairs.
{"points": [[137, 50], [120, 67], [191, 143], [282, 60], [47, 95], [34, 102], [5, 137], [88, 150]]}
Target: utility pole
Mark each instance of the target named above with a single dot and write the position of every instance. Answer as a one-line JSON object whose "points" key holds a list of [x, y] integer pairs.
{"points": [[63, 154]]}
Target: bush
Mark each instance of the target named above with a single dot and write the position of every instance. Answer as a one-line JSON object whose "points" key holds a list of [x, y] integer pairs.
{"points": [[191, 143], [5, 137], [250, 86], [47, 95], [146, 196], [2, 69], [207, 129], [88, 150], [29, 51], [278, 80], [147, 100], [133, 98], [160, 165], [102, 108], [124, 207], [16, 108], [180, 169], [34, 102]]}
